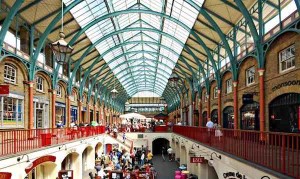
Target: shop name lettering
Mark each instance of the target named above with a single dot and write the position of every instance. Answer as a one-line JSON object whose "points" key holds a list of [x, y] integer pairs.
{"points": [[287, 83], [233, 175]]}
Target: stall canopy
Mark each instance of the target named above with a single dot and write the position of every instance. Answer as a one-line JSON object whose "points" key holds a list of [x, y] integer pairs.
{"points": [[132, 115], [161, 116]]}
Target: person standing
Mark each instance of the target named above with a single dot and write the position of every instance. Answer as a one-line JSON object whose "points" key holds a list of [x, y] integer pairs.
{"points": [[149, 157], [124, 137], [142, 158], [170, 152], [209, 124]]}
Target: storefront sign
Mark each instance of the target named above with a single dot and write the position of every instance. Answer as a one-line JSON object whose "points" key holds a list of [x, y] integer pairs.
{"points": [[233, 175], [4, 90], [65, 174], [5, 175], [198, 160], [287, 83], [47, 158]]}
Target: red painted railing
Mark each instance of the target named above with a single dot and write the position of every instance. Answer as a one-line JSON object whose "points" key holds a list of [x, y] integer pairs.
{"points": [[277, 151], [14, 141]]}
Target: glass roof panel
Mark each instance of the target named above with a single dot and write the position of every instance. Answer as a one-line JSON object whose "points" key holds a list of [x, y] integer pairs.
{"points": [[157, 67]]}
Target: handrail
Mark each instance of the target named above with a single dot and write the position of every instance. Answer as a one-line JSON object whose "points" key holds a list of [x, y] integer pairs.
{"points": [[277, 151], [14, 141]]}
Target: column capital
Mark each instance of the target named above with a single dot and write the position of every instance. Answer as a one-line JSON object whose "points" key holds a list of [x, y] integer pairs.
{"points": [[261, 71], [30, 83], [53, 91], [219, 91], [235, 83]]}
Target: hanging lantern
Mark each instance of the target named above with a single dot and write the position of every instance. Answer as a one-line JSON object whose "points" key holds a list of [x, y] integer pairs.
{"points": [[173, 80], [61, 50], [114, 93]]}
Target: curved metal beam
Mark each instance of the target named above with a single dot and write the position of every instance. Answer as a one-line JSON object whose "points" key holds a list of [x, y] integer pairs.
{"points": [[9, 18]]}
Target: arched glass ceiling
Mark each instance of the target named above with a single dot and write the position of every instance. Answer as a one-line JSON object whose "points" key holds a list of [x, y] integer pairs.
{"points": [[145, 94], [151, 63]]}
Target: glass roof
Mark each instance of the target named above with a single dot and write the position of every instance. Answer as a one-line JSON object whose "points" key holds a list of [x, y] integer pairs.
{"points": [[141, 61]]}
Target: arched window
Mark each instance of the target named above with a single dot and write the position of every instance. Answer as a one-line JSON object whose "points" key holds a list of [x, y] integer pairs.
{"points": [[59, 91], [10, 74], [39, 84]]}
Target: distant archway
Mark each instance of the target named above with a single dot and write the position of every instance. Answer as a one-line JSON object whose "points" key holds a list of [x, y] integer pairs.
{"points": [[158, 144]]}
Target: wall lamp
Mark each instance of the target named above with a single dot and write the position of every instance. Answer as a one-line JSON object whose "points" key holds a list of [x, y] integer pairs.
{"points": [[21, 158], [218, 156], [195, 145], [62, 146]]}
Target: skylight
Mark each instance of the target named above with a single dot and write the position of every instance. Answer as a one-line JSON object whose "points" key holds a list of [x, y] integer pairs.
{"points": [[142, 64]]}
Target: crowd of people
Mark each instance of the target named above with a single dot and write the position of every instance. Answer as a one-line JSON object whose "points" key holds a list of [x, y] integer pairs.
{"points": [[135, 165]]}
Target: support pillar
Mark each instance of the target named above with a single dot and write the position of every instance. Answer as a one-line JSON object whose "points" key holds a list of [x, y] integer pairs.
{"points": [[208, 107], [261, 102], [95, 114], [30, 105], [200, 113], [80, 111], [88, 113], [68, 111], [193, 116], [53, 108], [235, 104], [219, 108]]}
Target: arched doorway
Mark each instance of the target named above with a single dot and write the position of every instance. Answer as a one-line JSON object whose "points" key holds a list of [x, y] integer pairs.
{"points": [[98, 150], [212, 174], [214, 116], [284, 113], [228, 117], [158, 144], [250, 116], [71, 162], [88, 159], [204, 118], [183, 155]]}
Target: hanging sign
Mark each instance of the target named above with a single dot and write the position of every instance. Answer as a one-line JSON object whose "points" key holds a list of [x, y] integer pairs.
{"points": [[4, 90], [198, 160], [43, 159], [5, 175]]}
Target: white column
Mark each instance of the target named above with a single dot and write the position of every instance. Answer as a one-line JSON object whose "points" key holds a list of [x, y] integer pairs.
{"points": [[190, 115]]}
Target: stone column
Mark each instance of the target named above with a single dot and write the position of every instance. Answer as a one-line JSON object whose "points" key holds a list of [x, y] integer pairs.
{"points": [[95, 114], [219, 107], [88, 112], [235, 104], [200, 113], [79, 111], [261, 102], [68, 111], [30, 104], [53, 112]]}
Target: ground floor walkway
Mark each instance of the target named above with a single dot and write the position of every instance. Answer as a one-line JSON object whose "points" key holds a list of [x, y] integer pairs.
{"points": [[165, 169]]}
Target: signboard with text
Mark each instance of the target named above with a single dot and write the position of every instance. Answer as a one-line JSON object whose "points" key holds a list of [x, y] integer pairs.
{"points": [[5, 175], [43, 159], [4, 90], [65, 174], [198, 160]]}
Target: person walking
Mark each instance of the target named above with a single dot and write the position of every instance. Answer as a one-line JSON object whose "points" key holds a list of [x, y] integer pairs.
{"points": [[142, 158], [170, 152], [124, 137]]}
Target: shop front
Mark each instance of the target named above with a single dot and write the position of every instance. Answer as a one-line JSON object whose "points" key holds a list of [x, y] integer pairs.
{"points": [[214, 116], [91, 115], [250, 116], [83, 111], [74, 113], [228, 117], [284, 113], [43, 167], [41, 113], [12, 111], [60, 112]]}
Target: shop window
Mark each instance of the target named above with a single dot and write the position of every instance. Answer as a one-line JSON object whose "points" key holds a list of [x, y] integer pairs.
{"points": [[59, 91], [215, 92], [10, 74], [228, 86], [39, 84], [287, 59], [11, 112], [250, 72]]}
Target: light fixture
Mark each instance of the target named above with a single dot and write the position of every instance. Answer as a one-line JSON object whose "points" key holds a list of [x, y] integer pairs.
{"points": [[114, 92], [218, 156], [21, 158], [60, 48], [64, 145], [195, 145], [173, 80]]}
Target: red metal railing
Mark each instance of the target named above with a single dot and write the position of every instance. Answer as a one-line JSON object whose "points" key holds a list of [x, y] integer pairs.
{"points": [[277, 151], [15, 141]]}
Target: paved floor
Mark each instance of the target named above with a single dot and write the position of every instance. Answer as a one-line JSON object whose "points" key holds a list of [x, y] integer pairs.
{"points": [[165, 169]]}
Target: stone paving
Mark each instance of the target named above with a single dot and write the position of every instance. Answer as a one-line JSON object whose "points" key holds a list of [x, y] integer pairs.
{"points": [[165, 169]]}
